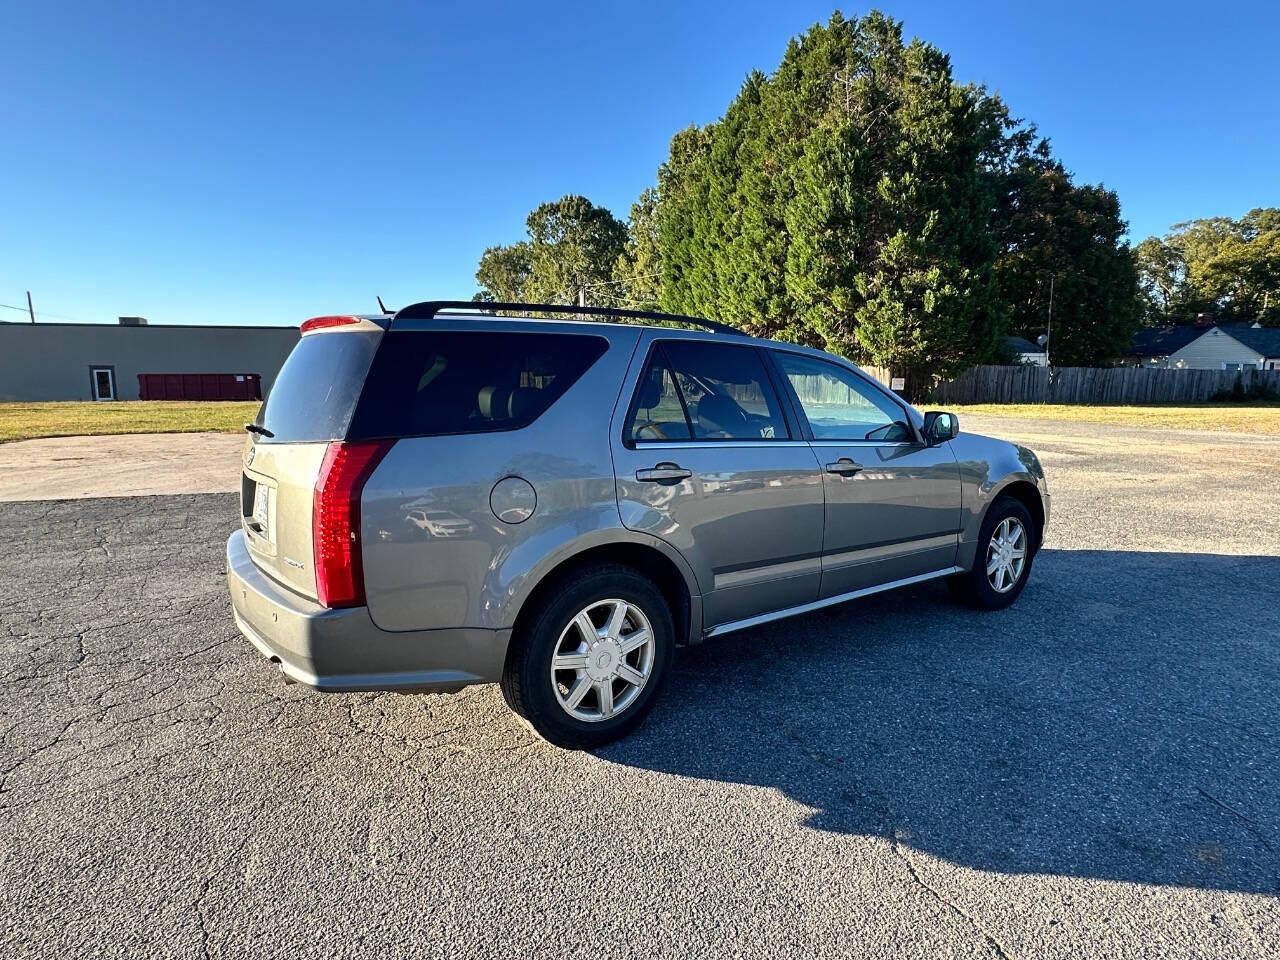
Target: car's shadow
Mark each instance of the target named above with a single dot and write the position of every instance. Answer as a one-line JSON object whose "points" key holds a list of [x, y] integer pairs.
{"points": [[1120, 721]]}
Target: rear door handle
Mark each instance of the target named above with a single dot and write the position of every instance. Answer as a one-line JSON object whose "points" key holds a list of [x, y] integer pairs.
{"points": [[844, 466], [664, 473]]}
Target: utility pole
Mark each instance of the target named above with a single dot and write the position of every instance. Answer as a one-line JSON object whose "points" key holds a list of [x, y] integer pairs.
{"points": [[1048, 337], [30, 309], [846, 79], [582, 296]]}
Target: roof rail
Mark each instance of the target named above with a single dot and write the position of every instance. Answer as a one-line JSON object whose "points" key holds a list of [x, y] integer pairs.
{"points": [[429, 309]]}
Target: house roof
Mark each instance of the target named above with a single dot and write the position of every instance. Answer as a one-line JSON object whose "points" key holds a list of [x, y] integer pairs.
{"points": [[1022, 345], [1150, 342], [1266, 340]]}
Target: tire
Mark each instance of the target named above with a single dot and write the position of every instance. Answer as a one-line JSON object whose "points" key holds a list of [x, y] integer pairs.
{"points": [[975, 587], [612, 704]]}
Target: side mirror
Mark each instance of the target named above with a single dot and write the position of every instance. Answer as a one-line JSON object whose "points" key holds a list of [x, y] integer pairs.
{"points": [[940, 427]]}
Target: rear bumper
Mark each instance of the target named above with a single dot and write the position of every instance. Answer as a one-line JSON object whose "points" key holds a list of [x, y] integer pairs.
{"points": [[343, 650]]}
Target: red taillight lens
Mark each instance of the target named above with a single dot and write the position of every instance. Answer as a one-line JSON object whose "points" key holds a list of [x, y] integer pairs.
{"points": [[319, 323], [335, 520]]}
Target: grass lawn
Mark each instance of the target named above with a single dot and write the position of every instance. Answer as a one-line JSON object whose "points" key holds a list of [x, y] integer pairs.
{"points": [[23, 421], [1259, 417]]}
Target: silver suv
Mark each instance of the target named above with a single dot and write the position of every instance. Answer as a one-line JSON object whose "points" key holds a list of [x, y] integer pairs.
{"points": [[445, 497]]}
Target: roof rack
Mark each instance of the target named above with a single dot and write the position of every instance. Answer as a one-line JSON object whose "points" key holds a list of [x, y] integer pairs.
{"points": [[429, 309]]}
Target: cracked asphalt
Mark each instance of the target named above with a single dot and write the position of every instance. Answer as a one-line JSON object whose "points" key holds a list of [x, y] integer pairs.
{"points": [[1092, 773]]}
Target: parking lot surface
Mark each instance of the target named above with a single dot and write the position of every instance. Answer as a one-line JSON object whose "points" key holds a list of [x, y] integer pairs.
{"points": [[1094, 772], [65, 468]]}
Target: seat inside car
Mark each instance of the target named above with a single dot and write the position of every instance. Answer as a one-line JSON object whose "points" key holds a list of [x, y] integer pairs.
{"points": [[506, 403], [719, 415]]}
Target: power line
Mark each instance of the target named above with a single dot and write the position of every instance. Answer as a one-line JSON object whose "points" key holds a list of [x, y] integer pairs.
{"points": [[41, 313], [610, 283]]}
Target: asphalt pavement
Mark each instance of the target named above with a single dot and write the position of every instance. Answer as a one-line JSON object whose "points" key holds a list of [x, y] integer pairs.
{"points": [[1094, 772]]}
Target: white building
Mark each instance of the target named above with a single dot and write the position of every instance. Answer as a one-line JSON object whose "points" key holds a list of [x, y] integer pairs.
{"points": [[1235, 346], [1027, 352]]}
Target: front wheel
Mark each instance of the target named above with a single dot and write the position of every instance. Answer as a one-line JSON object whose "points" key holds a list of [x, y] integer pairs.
{"points": [[590, 663], [1002, 561]]}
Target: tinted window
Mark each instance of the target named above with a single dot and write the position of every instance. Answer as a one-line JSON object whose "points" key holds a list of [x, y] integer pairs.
{"points": [[839, 404], [706, 391], [658, 411], [318, 386], [427, 383]]}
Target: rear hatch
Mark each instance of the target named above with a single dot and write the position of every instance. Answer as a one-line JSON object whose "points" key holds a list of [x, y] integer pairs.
{"points": [[310, 405]]}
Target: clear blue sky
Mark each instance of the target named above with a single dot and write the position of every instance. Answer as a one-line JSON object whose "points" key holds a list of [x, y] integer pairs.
{"points": [[261, 163]]}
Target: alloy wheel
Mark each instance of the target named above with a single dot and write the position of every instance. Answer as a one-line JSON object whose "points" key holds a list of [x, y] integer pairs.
{"points": [[1006, 554], [602, 661]]}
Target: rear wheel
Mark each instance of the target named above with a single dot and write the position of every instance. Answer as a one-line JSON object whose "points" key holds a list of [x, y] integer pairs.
{"points": [[1002, 561], [591, 657]]}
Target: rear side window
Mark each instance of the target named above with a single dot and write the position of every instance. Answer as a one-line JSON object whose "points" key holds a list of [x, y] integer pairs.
{"points": [[317, 388], [705, 391], [427, 383]]}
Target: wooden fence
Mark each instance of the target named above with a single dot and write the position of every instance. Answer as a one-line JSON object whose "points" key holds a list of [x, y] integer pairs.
{"points": [[1101, 385]]}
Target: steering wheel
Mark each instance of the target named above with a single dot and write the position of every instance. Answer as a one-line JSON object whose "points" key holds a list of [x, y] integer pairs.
{"points": [[649, 430]]}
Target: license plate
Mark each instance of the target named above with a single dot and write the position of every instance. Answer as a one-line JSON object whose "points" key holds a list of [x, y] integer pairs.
{"points": [[261, 517]]}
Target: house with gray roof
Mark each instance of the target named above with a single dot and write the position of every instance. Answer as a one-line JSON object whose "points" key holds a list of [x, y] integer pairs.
{"points": [[1234, 346]]}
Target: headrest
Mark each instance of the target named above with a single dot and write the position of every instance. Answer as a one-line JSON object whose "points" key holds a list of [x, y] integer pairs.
{"points": [[524, 400], [651, 391], [495, 403], [718, 412]]}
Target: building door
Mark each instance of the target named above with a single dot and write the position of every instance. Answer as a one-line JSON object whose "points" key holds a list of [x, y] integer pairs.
{"points": [[104, 382]]}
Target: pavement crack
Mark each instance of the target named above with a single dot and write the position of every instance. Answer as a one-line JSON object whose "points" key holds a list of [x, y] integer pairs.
{"points": [[1000, 950], [1252, 825]]}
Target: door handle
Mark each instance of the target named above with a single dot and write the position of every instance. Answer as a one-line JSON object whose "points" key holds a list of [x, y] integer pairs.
{"points": [[844, 467], [664, 473]]}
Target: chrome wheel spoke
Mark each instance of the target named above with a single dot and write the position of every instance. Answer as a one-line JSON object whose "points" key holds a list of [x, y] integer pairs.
{"points": [[634, 641], [578, 691], [585, 627], [570, 661], [604, 691], [617, 617], [630, 674]]}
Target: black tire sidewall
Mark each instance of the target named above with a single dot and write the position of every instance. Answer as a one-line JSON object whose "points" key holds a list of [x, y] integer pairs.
{"points": [[538, 702]]}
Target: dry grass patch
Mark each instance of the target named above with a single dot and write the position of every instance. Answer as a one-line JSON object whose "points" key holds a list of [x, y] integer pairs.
{"points": [[1232, 417], [24, 421]]}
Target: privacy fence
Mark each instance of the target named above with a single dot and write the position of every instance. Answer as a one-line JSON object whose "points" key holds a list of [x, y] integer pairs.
{"points": [[1109, 385]]}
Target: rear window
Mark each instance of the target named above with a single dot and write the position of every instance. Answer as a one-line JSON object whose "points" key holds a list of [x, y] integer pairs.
{"points": [[317, 388], [427, 383]]}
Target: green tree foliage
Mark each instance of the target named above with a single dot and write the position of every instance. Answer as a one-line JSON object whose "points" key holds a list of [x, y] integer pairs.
{"points": [[1228, 269], [503, 273], [843, 201], [860, 200], [1074, 235], [637, 273], [572, 244]]}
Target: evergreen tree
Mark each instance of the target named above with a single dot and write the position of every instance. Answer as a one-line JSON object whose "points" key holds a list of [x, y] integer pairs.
{"points": [[1073, 234], [843, 201]]}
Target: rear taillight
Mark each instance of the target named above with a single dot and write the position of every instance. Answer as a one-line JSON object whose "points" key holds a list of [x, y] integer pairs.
{"points": [[319, 323], [335, 520]]}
